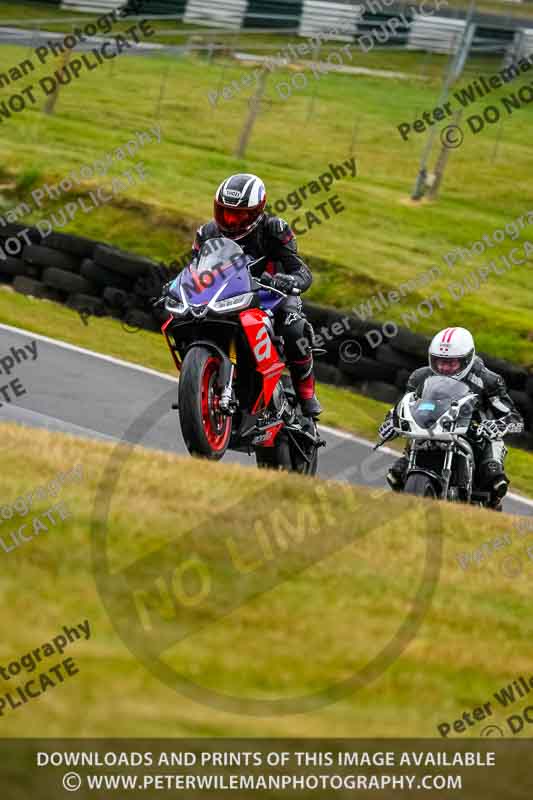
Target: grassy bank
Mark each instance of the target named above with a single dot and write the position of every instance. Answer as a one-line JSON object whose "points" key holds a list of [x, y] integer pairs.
{"points": [[381, 239], [473, 639]]}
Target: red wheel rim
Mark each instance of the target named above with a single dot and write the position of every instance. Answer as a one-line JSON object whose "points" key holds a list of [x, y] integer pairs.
{"points": [[217, 426]]}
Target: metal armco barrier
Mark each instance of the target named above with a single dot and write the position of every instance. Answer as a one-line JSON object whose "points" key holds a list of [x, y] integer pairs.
{"points": [[229, 14], [316, 16], [273, 14], [96, 6], [438, 34]]}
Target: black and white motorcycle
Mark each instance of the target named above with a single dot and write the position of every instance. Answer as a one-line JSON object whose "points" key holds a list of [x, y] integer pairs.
{"points": [[441, 460]]}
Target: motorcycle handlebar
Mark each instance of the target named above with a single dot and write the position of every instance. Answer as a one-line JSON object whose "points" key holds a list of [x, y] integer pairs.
{"points": [[294, 291]]}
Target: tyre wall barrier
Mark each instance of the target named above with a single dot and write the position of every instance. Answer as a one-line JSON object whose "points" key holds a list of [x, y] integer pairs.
{"points": [[101, 280], [94, 278]]}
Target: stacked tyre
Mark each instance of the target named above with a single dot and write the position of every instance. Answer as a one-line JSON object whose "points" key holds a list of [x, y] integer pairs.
{"points": [[92, 278], [126, 283], [58, 270], [13, 269]]}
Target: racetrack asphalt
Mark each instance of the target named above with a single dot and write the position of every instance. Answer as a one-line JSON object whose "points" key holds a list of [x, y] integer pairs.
{"points": [[73, 390]]}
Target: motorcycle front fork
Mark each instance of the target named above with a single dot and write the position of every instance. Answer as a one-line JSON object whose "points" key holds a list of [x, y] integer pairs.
{"points": [[227, 404], [446, 470]]}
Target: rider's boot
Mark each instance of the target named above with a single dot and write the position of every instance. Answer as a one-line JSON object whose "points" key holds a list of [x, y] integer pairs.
{"points": [[492, 475], [303, 381], [498, 490], [396, 474]]}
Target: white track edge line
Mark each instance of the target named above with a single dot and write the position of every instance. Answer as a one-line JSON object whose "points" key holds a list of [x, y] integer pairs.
{"points": [[101, 356]]}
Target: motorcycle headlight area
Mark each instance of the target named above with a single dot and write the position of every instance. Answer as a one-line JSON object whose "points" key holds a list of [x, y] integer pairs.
{"points": [[175, 306], [233, 303]]}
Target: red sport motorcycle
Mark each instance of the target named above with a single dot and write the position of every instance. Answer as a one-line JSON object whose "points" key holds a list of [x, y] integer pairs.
{"points": [[233, 392]]}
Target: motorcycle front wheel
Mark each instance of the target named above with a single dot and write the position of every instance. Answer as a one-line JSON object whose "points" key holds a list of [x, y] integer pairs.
{"points": [[205, 430], [420, 485]]}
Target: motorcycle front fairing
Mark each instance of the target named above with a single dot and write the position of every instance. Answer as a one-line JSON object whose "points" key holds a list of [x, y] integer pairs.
{"points": [[216, 284], [218, 281], [439, 420], [215, 289], [443, 412], [258, 328]]}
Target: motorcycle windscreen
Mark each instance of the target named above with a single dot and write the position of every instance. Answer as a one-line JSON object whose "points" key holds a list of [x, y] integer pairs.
{"points": [[438, 394], [215, 253], [220, 262]]}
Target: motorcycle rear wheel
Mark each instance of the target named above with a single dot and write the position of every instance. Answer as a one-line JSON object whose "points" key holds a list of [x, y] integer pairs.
{"points": [[420, 485], [285, 457], [277, 457], [205, 430]]}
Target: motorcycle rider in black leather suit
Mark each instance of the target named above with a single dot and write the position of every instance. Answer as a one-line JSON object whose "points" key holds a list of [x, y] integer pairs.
{"points": [[239, 215], [452, 354]]}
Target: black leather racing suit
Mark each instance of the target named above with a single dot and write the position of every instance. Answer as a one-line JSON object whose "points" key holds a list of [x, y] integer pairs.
{"points": [[274, 238], [489, 454]]}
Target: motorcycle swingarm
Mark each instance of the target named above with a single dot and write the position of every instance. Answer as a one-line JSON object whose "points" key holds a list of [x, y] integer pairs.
{"points": [[299, 432], [314, 441]]}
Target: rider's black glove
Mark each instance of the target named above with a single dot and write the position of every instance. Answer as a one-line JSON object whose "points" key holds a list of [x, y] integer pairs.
{"points": [[284, 283], [266, 279], [386, 429], [492, 429]]}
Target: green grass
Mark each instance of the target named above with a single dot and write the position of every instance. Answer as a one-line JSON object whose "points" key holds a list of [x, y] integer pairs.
{"points": [[380, 240], [270, 645], [474, 638]]}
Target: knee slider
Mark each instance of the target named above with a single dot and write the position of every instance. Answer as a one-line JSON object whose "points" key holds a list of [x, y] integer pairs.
{"points": [[493, 468]]}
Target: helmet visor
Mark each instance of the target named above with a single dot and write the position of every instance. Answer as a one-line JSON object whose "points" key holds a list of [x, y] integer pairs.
{"points": [[449, 366], [236, 220]]}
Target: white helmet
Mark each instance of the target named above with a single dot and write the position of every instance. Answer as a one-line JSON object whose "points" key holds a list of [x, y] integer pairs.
{"points": [[452, 352]]}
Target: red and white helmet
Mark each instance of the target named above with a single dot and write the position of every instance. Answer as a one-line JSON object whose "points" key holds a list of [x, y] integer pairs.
{"points": [[452, 353], [239, 205]]}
